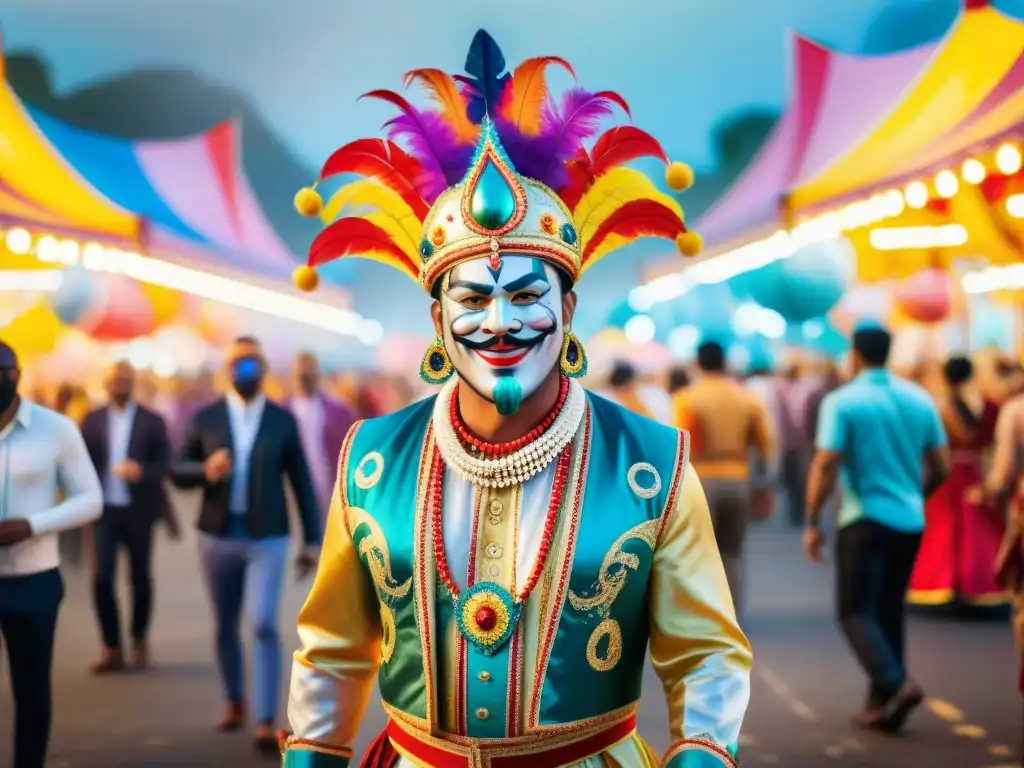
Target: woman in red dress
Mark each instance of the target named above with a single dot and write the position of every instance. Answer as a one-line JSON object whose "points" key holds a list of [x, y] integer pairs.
{"points": [[962, 534]]}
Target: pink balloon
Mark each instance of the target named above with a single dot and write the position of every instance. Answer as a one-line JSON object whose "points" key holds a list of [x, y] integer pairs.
{"points": [[124, 312], [926, 297]]}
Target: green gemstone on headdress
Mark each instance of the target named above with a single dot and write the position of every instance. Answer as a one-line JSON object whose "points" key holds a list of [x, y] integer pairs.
{"points": [[492, 203]]}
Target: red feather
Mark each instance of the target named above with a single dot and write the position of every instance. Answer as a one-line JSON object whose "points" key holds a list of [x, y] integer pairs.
{"points": [[615, 98], [618, 146], [384, 161], [355, 236], [390, 97], [639, 218], [580, 173], [613, 148]]}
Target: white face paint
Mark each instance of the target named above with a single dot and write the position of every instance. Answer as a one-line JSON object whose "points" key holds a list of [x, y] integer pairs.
{"points": [[503, 323]]}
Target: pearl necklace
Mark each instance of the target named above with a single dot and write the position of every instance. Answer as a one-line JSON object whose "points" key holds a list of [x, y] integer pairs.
{"points": [[514, 468]]}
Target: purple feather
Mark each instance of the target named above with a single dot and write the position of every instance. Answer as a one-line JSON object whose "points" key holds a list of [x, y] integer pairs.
{"points": [[432, 142], [565, 128]]}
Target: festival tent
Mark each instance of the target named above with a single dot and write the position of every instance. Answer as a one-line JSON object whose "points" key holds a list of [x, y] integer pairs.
{"points": [[836, 97]]}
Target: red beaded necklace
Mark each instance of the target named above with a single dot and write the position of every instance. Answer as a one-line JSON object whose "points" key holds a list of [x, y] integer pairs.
{"points": [[496, 450], [435, 486]]}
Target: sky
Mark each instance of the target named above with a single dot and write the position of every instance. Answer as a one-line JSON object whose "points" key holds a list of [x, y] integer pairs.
{"points": [[683, 65]]}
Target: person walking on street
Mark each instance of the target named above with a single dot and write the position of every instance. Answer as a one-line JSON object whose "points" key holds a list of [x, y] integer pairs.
{"points": [[42, 455], [883, 435], [129, 448]]}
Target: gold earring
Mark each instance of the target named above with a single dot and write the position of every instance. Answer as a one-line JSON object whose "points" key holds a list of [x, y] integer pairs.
{"points": [[573, 361], [436, 367]]}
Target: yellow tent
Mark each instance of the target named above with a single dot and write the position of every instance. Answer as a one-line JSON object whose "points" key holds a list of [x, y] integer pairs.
{"points": [[38, 187], [976, 57]]}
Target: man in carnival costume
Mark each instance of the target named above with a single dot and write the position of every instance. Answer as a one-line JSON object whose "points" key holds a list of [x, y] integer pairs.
{"points": [[500, 556]]}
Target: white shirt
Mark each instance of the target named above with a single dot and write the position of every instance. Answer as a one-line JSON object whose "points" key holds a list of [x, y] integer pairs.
{"points": [[309, 413], [245, 421], [41, 454], [120, 421]]}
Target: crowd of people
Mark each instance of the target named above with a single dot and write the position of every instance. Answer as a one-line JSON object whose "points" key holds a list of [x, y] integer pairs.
{"points": [[928, 464]]}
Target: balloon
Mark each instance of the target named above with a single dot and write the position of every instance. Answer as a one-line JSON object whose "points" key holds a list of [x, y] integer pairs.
{"points": [[77, 293], [123, 312], [167, 303], [35, 332], [926, 297], [805, 285]]}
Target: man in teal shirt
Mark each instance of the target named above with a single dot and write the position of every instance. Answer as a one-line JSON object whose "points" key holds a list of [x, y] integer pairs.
{"points": [[883, 436]]}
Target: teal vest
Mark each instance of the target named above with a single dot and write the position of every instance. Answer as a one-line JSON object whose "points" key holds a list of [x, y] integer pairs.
{"points": [[597, 637]]}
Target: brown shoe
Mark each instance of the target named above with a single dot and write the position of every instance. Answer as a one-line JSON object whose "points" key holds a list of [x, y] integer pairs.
{"points": [[265, 740], [898, 708], [140, 655], [112, 660], [233, 718]]}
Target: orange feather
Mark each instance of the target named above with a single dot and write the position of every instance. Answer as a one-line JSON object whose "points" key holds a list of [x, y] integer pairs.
{"points": [[523, 101], [442, 88], [636, 219], [355, 236], [384, 161]]}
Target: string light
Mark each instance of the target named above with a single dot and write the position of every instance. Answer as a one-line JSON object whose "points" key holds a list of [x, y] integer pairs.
{"points": [[973, 171], [994, 279], [904, 238], [916, 194], [1008, 159], [97, 258], [947, 184], [1015, 206]]}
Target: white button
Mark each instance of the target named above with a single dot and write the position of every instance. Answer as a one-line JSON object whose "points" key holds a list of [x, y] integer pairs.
{"points": [[482, 713], [495, 570], [484, 677]]}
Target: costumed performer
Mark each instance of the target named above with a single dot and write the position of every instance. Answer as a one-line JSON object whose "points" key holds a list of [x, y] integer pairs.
{"points": [[500, 556]]}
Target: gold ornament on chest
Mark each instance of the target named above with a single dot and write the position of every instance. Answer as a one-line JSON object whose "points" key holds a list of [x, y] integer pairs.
{"points": [[611, 579], [373, 550]]}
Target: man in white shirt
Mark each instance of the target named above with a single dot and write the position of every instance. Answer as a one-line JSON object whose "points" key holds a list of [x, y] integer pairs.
{"points": [[41, 455], [128, 446], [238, 450]]}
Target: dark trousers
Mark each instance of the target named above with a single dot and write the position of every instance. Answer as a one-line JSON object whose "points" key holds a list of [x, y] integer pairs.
{"points": [[873, 570], [132, 529], [794, 479], [28, 619]]}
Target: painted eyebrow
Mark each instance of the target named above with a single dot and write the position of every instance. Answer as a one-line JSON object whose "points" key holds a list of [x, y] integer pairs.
{"points": [[481, 288], [526, 281]]}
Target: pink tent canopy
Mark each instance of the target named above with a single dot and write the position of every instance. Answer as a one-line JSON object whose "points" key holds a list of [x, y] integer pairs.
{"points": [[202, 180], [837, 98]]}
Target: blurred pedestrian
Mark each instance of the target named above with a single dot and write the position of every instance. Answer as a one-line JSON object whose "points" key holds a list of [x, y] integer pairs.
{"points": [[885, 435], [129, 448], [726, 424], [238, 450], [42, 454], [323, 423]]}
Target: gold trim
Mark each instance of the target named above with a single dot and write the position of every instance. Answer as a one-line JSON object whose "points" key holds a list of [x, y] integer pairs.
{"points": [[989, 599], [644, 493], [930, 596], [682, 461], [367, 481], [568, 529], [424, 573], [551, 737], [346, 451]]}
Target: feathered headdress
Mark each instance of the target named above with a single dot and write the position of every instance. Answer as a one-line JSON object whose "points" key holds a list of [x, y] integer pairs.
{"points": [[498, 166]]}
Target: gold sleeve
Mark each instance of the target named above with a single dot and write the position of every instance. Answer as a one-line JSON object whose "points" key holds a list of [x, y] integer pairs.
{"points": [[334, 671], [697, 647]]}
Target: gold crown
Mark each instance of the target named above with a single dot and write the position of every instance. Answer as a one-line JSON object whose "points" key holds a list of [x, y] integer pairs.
{"points": [[493, 211]]}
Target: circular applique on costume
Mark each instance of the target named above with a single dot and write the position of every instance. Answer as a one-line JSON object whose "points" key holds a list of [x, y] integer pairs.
{"points": [[568, 233], [369, 470], [604, 659], [438, 236], [644, 480], [486, 616], [548, 223], [426, 249]]}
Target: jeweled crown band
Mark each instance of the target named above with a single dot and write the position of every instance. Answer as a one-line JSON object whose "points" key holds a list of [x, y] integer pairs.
{"points": [[565, 258]]}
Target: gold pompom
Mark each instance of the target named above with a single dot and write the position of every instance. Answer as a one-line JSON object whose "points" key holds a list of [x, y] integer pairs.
{"points": [[308, 202], [679, 176], [305, 278], [690, 243]]}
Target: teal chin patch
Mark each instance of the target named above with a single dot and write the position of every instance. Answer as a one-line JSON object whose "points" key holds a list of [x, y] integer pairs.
{"points": [[508, 395]]}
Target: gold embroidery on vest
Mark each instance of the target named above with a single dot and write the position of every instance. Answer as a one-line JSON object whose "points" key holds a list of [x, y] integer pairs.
{"points": [[606, 590], [373, 547]]}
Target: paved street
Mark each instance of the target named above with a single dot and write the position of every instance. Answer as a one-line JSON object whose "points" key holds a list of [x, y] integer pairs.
{"points": [[805, 686]]}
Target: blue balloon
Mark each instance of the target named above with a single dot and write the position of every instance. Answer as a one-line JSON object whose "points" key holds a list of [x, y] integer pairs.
{"points": [[77, 292], [805, 285]]}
